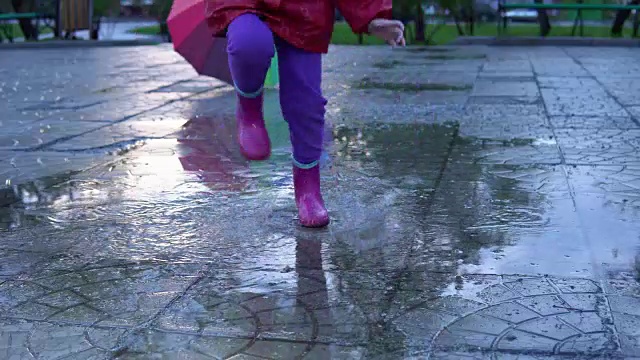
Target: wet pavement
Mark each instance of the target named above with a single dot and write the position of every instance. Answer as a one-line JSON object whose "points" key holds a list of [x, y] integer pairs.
{"points": [[485, 205]]}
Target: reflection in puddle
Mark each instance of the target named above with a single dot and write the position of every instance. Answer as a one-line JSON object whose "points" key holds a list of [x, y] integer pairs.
{"points": [[415, 212]]}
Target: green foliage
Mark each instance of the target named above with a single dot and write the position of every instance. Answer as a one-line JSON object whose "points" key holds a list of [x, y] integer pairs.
{"points": [[105, 7], [160, 9]]}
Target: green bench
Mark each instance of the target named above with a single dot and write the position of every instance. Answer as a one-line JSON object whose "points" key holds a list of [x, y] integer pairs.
{"points": [[6, 25], [503, 7]]}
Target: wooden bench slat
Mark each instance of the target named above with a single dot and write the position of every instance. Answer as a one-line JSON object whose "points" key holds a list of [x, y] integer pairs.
{"points": [[570, 6], [16, 16]]}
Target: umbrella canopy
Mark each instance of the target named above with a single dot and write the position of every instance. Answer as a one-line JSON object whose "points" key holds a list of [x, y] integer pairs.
{"points": [[193, 39]]}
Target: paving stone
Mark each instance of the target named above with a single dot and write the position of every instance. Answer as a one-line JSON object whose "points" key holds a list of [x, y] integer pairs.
{"points": [[589, 344], [520, 340], [593, 122], [495, 217], [612, 147]]}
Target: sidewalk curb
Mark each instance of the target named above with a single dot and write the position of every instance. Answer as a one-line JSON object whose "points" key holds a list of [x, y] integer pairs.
{"points": [[60, 44], [542, 41]]}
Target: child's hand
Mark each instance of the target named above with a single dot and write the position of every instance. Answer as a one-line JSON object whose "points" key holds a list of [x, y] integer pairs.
{"points": [[391, 31]]}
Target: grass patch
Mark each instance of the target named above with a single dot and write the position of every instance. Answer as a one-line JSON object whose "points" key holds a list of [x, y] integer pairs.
{"points": [[146, 30], [368, 84], [16, 31], [342, 34], [448, 33]]}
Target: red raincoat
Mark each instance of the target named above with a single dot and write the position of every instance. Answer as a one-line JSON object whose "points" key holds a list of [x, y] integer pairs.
{"points": [[305, 24]]}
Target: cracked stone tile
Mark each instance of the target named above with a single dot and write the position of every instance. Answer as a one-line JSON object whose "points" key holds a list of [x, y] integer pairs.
{"points": [[557, 66], [630, 345], [161, 344], [122, 134], [602, 343], [104, 296], [614, 232], [391, 280], [20, 340], [602, 147], [593, 122], [14, 262], [625, 305], [461, 340], [272, 308], [627, 324], [481, 324], [548, 327], [576, 285], [508, 66], [504, 88], [421, 324], [624, 90], [190, 86], [134, 105], [509, 129], [41, 132], [497, 293], [526, 178], [529, 151], [587, 322], [545, 305], [587, 85], [619, 184], [511, 312], [566, 102], [455, 355], [542, 331], [583, 302], [635, 112], [524, 341]]}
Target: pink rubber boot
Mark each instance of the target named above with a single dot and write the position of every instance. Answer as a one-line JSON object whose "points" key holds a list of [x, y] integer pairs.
{"points": [[252, 133], [311, 209]]}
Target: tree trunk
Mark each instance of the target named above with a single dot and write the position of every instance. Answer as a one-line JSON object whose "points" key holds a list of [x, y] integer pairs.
{"points": [[543, 20], [470, 18], [26, 26], [95, 31], [621, 18], [420, 24], [456, 19]]}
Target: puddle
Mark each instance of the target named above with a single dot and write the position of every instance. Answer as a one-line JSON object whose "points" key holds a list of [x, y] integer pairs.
{"points": [[369, 84], [416, 221], [413, 180]]}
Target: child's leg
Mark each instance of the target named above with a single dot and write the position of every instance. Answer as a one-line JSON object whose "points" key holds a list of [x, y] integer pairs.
{"points": [[250, 47], [303, 109], [302, 101]]}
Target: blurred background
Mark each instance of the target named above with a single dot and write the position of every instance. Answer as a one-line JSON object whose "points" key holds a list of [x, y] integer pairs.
{"points": [[434, 22]]}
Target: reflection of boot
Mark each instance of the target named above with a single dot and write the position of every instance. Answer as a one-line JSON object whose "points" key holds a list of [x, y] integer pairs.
{"points": [[311, 209], [252, 133]]}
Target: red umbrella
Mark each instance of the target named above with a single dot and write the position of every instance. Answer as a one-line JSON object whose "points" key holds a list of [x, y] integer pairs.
{"points": [[195, 42]]}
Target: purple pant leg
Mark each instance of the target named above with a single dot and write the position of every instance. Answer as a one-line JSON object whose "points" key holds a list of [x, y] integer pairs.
{"points": [[250, 46], [303, 105]]}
